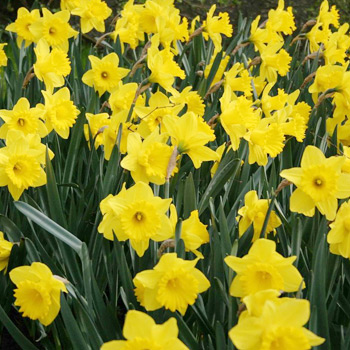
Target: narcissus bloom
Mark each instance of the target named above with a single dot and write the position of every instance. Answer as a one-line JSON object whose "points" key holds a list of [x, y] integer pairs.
{"points": [[319, 183], [141, 332], [5, 251], [128, 26], [122, 98], [327, 77], [69, 4], [97, 124], [263, 268], [59, 111], [274, 61], [153, 115], [22, 26], [339, 235], [337, 45], [54, 28], [110, 133], [105, 73], [23, 118], [136, 214], [281, 20], [260, 36], [38, 292], [194, 233], [273, 323], [220, 151], [254, 212], [3, 57], [163, 18], [238, 114], [214, 26], [93, 14], [20, 162], [162, 65], [147, 161], [238, 79], [191, 99], [189, 134], [51, 67], [265, 139], [174, 283]]}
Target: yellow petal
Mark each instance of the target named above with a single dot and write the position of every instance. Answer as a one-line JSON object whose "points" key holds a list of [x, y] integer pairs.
{"points": [[301, 203]]}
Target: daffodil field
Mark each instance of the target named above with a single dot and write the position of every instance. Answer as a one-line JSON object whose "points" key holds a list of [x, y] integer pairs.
{"points": [[174, 184]]}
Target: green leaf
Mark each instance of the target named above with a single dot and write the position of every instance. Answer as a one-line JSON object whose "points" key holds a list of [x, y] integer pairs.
{"points": [[54, 199], [16, 334], [49, 225], [75, 335], [227, 168], [190, 202]]}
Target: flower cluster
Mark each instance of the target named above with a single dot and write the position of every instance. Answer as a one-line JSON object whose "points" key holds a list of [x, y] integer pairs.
{"points": [[169, 105]]}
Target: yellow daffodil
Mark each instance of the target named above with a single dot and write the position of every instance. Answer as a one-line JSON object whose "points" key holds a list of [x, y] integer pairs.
{"points": [[38, 292], [220, 151], [346, 166], [270, 322], [141, 332], [163, 18], [293, 118], [105, 73], [214, 26], [173, 283], [93, 14], [272, 103], [60, 112], [136, 214], [97, 124], [328, 16], [154, 9], [261, 36], [328, 77], [281, 20], [20, 162], [254, 212], [339, 235], [162, 65], [3, 57], [69, 5], [123, 96], [189, 134], [274, 61], [54, 28], [128, 26], [194, 233], [152, 116], [51, 67], [263, 268], [22, 26], [118, 124], [23, 118], [319, 183], [238, 79], [237, 116], [5, 251], [147, 161], [191, 99], [265, 139], [337, 45]]}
